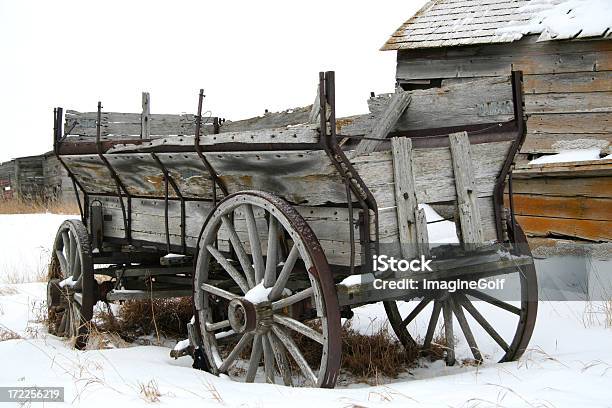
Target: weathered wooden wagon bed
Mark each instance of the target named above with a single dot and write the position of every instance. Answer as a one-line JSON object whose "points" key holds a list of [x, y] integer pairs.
{"points": [[263, 220]]}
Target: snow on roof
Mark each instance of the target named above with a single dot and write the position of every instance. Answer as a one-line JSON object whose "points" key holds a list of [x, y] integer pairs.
{"points": [[447, 23]]}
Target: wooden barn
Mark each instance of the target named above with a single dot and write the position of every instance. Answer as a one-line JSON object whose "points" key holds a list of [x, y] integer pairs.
{"points": [[35, 178], [567, 81]]}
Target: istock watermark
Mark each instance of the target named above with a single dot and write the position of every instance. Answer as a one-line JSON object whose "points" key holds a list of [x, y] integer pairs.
{"points": [[448, 285], [384, 263]]}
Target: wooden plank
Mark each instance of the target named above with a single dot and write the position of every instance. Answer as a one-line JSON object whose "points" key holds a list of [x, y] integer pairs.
{"points": [[570, 123], [571, 169], [456, 103], [597, 187], [295, 134], [386, 121], [554, 142], [575, 102], [289, 117], [145, 117], [405, 195], [467, 199], [568, 82], [566, 227], [581, 208]]}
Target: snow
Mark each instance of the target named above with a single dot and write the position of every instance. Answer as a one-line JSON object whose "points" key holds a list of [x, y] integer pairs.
{"points": [[69, 281], [439, 230], [354, 280], [563, 19], [569, 156], [258, 293], [181, 345], [568, 364]]}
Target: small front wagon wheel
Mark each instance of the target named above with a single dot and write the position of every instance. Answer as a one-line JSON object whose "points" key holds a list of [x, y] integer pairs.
{"points": [[270, 314], [71, 287]]}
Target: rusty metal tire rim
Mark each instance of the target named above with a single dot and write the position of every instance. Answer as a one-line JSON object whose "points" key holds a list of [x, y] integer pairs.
{"points": [[70, 306], [266, 326], [456, 306]]}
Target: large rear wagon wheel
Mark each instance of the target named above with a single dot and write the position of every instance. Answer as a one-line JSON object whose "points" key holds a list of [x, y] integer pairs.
{"points": [[504, 325], [272, 314], [71, 288]]}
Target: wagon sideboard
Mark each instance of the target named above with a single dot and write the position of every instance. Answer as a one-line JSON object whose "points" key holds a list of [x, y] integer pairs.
{"points": [[287, 160]]}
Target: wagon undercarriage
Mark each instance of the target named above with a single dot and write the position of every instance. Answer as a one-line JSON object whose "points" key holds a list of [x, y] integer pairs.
{"points": [[271, 226]]}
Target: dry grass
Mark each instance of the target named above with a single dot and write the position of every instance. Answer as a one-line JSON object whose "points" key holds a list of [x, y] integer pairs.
{"points": [[8, 290], [24, 206], [7, 334], [135, 318], [149, 391], [369, 357]]}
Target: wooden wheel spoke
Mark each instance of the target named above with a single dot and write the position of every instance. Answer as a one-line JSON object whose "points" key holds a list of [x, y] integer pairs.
{"points": [[73, 255], [212, 327], [255, 243], [66, 244], [243, 258], [76, 268], [255, 358], [62, 262], [283, 276], [467, 304], [272, 253], [415, 312], [494, 301], [229, 268], [290, 300], [218, 291], [293, 349], [242, 343], [299, 327], [433, 322], [281, 358], [268, 360], [467, 332], [448, 331]]}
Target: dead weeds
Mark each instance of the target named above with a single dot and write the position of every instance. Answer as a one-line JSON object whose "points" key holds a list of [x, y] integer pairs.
{"points": [[25, 206]]}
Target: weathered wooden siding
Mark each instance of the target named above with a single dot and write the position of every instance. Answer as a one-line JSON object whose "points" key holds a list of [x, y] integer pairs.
{"points": [[568, 85], [549, 204]]}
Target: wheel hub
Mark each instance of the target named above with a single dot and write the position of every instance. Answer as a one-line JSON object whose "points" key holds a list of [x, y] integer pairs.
{"points": [[245, 316]]}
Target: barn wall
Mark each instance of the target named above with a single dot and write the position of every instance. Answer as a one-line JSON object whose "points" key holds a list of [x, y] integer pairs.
{"points": [[29, 177], [7, 174], [568, 85], [58, 185]]}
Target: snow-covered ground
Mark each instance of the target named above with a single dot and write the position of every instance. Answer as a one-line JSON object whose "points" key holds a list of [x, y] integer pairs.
{"points": [[569, 363]]}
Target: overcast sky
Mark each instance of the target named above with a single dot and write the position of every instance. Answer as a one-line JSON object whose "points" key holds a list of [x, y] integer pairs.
{"points": [[247, 55]]}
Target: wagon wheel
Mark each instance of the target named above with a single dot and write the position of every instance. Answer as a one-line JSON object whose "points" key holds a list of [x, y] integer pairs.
{"points": [[515, 320], [71, 288], [284, 313]]}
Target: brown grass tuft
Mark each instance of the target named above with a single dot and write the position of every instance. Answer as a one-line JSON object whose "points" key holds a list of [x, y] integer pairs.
{"points": [[25, 206], [150, 391], [8, 290], [7, 334], [165, 317], [371, 356]]}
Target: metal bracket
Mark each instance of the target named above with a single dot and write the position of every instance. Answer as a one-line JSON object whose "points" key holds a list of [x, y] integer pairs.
{"points": [[329, 142]]}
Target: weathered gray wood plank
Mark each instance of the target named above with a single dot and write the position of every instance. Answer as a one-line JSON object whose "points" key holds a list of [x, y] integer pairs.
{"points": [[467, 201], [387, 120], [145, 117]]}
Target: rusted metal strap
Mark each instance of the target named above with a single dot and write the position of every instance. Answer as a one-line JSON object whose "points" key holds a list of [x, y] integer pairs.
{"points": [[521, 132], [168, 179], [58, 114], [198, 148], [127, 215], [343, 165]]}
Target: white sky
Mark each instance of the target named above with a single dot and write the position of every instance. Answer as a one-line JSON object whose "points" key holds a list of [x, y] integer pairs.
{"points": [[247, 55]]}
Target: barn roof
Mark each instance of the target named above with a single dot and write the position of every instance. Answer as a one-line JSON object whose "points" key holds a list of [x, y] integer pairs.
{"points": [[447, 23]]}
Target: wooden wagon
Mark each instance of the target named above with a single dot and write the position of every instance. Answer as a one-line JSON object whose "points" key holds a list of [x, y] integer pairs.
{"points": [[271, 224]]}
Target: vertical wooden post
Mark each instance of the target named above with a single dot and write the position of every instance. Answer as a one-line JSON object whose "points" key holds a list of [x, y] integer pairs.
{"points": [[145, 117], [410, 219], [467, 194]]}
